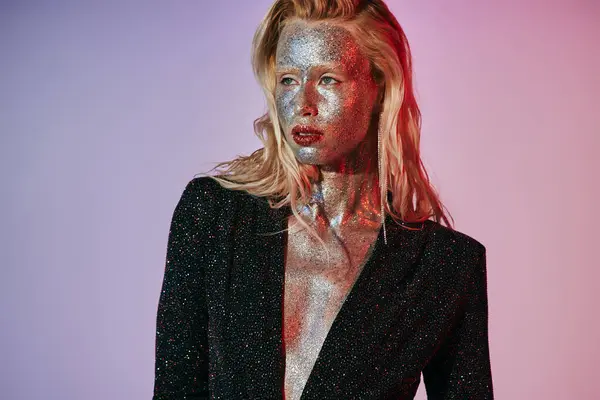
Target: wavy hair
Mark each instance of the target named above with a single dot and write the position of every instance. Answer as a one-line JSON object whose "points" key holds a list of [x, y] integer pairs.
{"points": [[273, 171]]}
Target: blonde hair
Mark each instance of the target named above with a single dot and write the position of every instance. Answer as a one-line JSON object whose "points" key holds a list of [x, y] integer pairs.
{"points": [[273, 171]]}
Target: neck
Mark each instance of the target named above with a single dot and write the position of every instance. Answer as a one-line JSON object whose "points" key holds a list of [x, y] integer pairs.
{"points": [[346, 196]]}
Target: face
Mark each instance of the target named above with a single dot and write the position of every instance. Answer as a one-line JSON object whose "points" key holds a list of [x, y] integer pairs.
{"points": [[325, 92]]}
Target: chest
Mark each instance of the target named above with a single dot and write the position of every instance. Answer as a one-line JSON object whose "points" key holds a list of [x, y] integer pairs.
{"points": [[317, 281]]}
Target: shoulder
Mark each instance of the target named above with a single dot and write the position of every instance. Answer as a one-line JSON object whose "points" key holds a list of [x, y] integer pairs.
{"points": [[453, 242], [455, 257], [205, 188], [207, 195], [206, 191], [202, 201]]}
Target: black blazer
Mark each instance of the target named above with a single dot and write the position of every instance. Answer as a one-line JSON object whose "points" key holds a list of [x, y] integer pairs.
{"points": [[419, 305]]}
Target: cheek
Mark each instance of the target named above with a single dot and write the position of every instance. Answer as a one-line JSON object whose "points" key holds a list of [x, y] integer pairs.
{"points": [[362, 104], [285, 106], [354, 117], [336, 105], [349, 107]]}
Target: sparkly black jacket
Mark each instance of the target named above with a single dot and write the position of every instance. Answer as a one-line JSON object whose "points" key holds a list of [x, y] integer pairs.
{"points": [[418, 306]]}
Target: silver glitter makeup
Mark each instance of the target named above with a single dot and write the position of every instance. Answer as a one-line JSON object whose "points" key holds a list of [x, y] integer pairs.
{"points": [[325, 82]]}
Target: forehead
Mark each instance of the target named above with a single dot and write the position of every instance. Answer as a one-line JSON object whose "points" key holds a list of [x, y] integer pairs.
{"points": [[303, 45]]}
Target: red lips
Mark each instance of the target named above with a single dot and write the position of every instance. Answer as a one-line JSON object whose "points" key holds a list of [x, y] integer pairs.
{"points": [[306, 129], [306, 135]]}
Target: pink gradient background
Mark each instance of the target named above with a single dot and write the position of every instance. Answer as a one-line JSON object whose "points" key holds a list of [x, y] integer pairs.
{"points": [[107, 109]]}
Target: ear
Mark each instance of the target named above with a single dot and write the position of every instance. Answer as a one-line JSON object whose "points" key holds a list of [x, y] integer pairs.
{"points": [[378, 104], [381, 94], [378, 107]]}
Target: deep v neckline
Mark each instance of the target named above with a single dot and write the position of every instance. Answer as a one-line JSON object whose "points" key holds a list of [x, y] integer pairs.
{"points": [[341, 317]]}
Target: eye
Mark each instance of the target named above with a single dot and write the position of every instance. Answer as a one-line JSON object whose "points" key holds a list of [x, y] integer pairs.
{"points": [[331, 80], [286, 81]]}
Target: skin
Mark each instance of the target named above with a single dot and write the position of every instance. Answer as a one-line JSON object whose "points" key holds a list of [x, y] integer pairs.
{"points": [[323, 80]]}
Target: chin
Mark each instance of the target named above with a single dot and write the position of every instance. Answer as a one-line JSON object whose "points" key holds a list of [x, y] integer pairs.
{"points": [[315, 156], [309, 155]]}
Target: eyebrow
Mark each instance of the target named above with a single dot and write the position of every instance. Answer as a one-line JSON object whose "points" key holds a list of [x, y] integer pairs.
{"points": [[288, 68]]}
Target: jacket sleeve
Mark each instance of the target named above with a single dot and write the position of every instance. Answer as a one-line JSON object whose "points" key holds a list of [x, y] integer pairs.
{"points": [[461, 369], [181, 362]]}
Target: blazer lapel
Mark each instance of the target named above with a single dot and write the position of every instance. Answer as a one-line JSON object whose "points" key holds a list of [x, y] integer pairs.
{"points": [[255, 304], [361, 321]]}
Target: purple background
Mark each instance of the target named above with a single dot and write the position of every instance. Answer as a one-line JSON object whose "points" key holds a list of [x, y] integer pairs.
{"points": [[108, 108]]}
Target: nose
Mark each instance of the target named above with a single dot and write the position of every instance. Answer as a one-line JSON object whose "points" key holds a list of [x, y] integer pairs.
{"points": [[305, 102]]}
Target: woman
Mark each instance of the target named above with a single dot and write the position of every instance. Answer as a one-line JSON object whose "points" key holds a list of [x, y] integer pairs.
{"points": [[311, 268]]}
